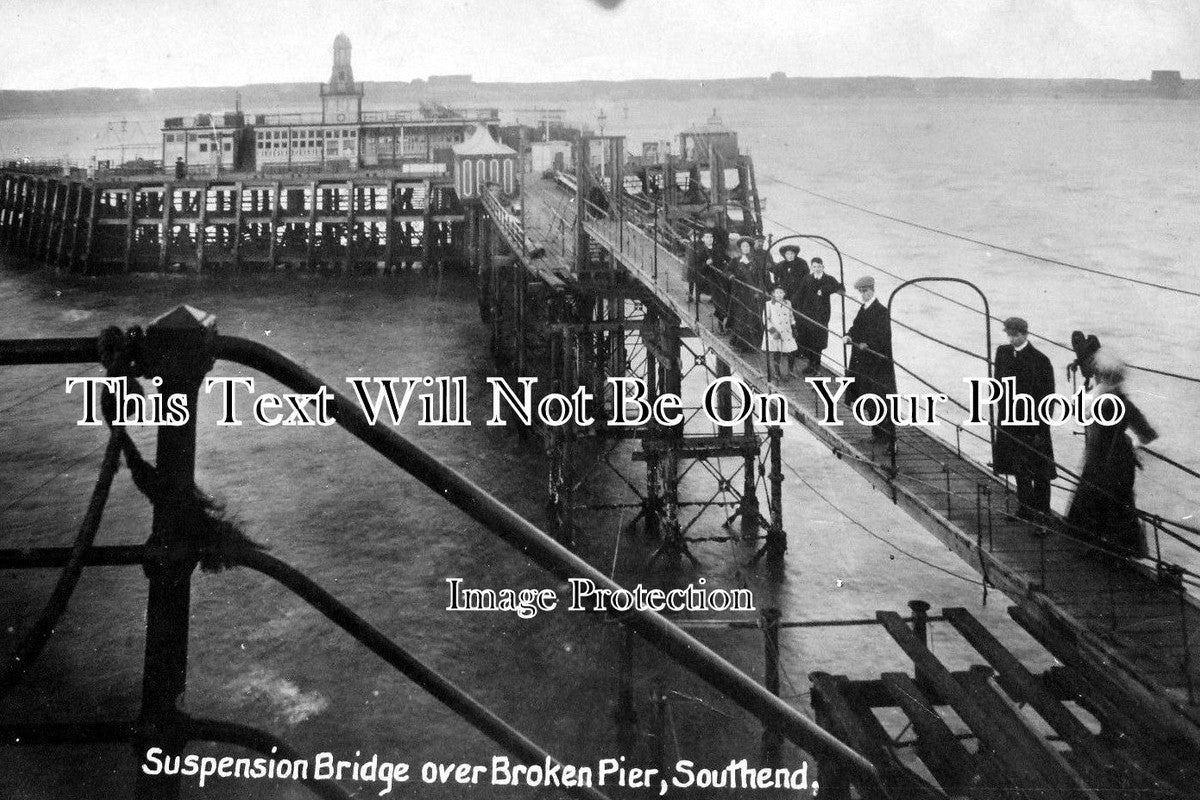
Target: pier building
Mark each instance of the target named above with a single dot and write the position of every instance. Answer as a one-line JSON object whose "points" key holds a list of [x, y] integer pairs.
{"points": [[341, 137]]}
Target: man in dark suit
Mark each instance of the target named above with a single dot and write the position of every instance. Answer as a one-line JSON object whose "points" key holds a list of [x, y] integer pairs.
{"points": [[701, 261], [811, 304], [762, 260], [1024, 451], [871, 363]]}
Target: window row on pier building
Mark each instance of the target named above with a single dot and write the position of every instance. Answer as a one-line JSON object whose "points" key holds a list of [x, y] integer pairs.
{"points": [[341, 138], [275, 145]]}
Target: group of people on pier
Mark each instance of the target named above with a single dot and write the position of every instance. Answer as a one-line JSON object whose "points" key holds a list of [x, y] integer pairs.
{"points": [[1103, 508], [783, 308]]}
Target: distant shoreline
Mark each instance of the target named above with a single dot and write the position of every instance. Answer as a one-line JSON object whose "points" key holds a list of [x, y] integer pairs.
{"points": [[19, 103]]}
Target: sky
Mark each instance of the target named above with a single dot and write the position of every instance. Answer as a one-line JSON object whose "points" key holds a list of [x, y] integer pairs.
{"points": [[59, 44]]}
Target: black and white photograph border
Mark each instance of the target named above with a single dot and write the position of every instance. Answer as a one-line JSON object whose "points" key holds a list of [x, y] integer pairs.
{"points": [[599, 399]]}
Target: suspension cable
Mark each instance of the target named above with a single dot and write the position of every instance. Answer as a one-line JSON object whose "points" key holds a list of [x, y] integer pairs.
{"points": [[959, 303], [999, 431], [35, 639], [992, 245], [732, 281]]}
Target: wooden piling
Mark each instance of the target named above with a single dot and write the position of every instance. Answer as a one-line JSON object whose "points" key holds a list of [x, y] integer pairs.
{"points": [[93, 208], [238, 188], [129, 227]]}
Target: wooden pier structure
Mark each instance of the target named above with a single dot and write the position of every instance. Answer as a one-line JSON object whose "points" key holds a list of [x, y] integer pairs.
{"points": [[576, 290], [367, 221]]}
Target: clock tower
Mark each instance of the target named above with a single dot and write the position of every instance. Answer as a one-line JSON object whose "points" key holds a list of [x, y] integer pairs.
{"points": [[341, 98]]}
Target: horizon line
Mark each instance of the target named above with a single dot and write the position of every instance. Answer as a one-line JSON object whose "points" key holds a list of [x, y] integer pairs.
{"points": [[473, 82]]}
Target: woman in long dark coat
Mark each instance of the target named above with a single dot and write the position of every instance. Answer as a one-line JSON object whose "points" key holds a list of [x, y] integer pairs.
{"points": [[1103, 508], [745, 297], [812, 313]]}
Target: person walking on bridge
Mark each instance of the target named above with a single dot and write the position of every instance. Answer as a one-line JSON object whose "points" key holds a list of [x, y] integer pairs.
{"points": [[745, 297], [718, 279], [812, 313], [762, 258], [702, 261], [1104, 507], [1024, 451], [871, 364]]}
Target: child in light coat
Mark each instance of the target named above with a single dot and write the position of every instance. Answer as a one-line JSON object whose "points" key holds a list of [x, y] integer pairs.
{"points": [[779, 337]]}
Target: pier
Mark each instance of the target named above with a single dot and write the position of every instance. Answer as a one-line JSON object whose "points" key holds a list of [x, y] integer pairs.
{"points": [[578, 290], [580, 280], [374, 221]]}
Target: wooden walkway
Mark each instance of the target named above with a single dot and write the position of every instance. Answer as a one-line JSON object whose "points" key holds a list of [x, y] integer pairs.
{"points": [[1115, 622]]}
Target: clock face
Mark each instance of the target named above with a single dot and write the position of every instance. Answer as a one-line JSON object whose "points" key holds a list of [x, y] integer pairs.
{"points": [[341, 109]]}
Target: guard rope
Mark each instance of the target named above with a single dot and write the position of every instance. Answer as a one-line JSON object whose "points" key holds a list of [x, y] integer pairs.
{"points": [[30, 647], [992, 245], [35, 639], [960, 304], [732, 281], [119, 353]]}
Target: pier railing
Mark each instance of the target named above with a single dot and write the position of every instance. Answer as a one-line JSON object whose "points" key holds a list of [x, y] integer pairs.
{"points": [[1079, 589], [181, 347]]}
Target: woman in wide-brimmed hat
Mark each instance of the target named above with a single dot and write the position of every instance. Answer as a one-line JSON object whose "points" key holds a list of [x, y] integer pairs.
{"points": [[788, 271]]}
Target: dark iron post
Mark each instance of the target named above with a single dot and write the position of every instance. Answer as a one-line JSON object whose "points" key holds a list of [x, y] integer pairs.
{"points": [[179, 350], [772, 742], [724, 398], [655, 241], [920, 628], [1173, 577], [776, 537], [659, 748], [920, 620], [749, 505], [625, 712]]}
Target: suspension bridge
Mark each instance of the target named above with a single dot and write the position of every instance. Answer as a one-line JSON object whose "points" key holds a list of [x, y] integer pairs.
{"points": [[586, 279]]}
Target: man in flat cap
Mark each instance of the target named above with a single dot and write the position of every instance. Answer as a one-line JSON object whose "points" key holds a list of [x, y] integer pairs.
{"points": [[871, 363], [762, 260], [1024, 451], [704, 260]]}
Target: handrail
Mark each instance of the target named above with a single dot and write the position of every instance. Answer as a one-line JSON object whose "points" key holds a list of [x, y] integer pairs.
{"points": [[552, 556], [1145, 515], [523, 535]]}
